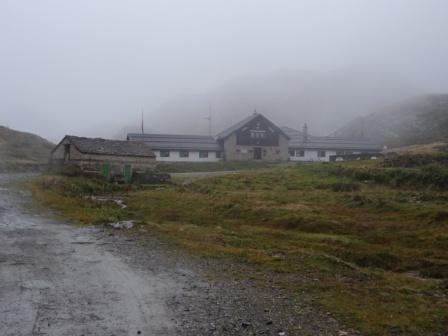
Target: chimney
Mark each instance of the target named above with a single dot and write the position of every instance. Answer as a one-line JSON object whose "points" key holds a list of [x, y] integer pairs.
{"points": [[305, 132]]}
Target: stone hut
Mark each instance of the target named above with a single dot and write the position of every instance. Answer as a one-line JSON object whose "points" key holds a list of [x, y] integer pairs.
{"points": [[110, 157]]}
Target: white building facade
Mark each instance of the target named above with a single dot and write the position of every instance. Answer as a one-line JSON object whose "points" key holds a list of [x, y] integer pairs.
{"points": [[180, 148], [308, 148], [253, 138], [168, 155]]}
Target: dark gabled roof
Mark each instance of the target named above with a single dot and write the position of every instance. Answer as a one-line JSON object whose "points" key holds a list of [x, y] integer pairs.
{"points": [[176, 141], [224, 134], [297, 140], [109, 147]]}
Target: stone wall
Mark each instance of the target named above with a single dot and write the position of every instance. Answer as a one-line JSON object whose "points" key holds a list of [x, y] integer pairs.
{"points": [[234, 152]]}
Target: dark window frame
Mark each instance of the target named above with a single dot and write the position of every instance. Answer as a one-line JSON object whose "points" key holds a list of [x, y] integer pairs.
{"points": [[203, 154], [321, 154], [165, 153], [184, 153]]}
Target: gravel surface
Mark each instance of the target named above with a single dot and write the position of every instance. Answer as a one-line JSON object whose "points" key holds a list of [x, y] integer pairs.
{"points": [[60, 279], [213, 302]]}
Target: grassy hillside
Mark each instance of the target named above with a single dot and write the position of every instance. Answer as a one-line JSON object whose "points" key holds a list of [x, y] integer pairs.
{"points": [[419, 120], [366, 240], [22, 151]]}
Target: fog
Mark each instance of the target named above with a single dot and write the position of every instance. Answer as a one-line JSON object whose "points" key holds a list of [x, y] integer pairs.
{"points": [[89, 67]]}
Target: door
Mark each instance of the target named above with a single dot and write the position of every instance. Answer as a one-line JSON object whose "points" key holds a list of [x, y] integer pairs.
{"points": [[127, 173], [106, 171], [257, 153]]}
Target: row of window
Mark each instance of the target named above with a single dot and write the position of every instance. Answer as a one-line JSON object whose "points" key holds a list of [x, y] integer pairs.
{"points": [[205, 154], [185, 154], [257, 134], [301, 153], [245, 151]]}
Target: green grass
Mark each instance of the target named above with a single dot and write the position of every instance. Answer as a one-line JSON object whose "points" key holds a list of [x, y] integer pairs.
{"points": [[185, 167], [374, 252]]}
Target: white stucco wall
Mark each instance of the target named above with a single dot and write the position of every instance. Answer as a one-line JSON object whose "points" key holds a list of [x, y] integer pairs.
{"points": [[311, 155], [192, 157]]}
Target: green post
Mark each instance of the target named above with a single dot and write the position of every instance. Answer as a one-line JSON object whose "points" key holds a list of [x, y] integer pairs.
{"points": [[106, 171], [127, 173]]}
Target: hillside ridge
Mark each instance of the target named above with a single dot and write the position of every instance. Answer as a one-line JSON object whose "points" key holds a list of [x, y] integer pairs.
{"points": [[22, 150], [418, 120]]}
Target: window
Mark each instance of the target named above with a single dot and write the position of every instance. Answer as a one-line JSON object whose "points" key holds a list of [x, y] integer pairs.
{"points": [[320, 153], [291, 153], [183, 154], [164, 153], [300, 153], [255, 134], [203, 154], [218, 155]]}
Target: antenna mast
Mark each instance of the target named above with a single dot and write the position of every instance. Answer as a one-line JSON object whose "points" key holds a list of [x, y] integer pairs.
{"points": [[209, 118], [143, 128]]}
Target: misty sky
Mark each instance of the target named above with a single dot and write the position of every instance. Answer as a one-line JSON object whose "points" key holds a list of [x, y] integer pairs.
{"points": [[88, 66]]}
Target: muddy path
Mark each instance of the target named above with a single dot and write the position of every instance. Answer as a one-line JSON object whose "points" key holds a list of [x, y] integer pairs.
{"points": [[59, 279]]}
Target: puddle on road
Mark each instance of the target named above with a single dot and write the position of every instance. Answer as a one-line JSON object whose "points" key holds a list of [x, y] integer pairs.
{"points": [[36, 284]]}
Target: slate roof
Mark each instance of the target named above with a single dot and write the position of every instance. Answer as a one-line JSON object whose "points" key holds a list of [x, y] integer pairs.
{"points": [[110, 147], [297, 140], [177, 141], [224, 134]]}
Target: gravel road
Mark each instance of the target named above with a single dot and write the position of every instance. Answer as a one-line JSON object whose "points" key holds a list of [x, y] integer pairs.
{"points": [[59, 279]]}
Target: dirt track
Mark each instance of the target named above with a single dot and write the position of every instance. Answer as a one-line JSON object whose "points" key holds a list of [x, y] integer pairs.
{"points": [[58, 279]]}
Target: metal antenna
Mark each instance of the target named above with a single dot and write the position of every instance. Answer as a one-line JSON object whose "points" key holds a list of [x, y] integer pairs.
{"points": [[209, 118], [143, 128]]}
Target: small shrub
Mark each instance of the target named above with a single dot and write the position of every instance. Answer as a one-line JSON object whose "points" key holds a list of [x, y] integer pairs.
{"points": [[440, 216], [69, 171], [363, 201], [288, 222], [415, 160], [432, 270], [381, 260], [151, 177], [443, 286], [344, 186]]}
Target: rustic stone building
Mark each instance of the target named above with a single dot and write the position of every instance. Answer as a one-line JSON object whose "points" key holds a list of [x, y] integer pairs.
{"points": [[110, 157], [254, 138]]}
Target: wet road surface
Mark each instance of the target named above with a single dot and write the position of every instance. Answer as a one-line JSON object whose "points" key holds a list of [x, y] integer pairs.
{"points": [[59, 279]]}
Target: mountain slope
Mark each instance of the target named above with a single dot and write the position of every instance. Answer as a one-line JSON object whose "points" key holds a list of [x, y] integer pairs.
{"points": [[20, 150], [419, 120]]}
